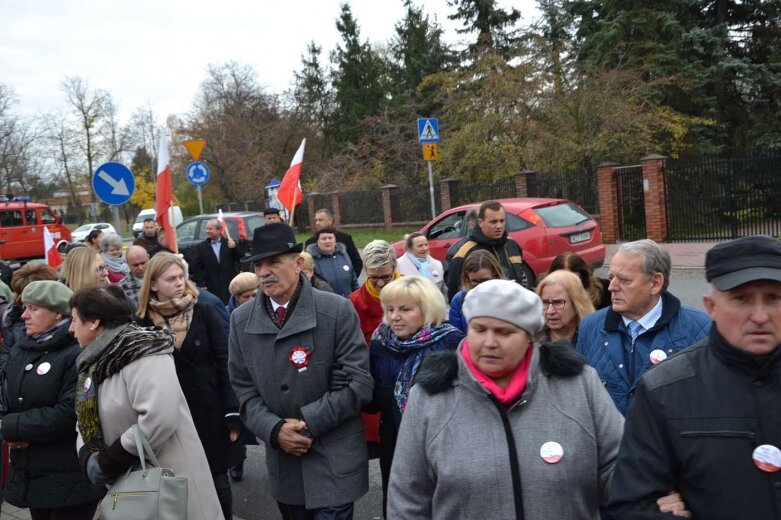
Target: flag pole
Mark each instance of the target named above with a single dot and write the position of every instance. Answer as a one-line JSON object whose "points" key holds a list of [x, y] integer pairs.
{"points": [[293, 211]]}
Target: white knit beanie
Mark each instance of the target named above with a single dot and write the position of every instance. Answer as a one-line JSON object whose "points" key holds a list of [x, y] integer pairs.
{"points": [[507, 301]]}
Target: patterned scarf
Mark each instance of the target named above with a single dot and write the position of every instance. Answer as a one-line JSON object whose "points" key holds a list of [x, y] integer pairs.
{"points": [[117, 264], [420, 265], [175, 315], [110, 352], [413, 349]]}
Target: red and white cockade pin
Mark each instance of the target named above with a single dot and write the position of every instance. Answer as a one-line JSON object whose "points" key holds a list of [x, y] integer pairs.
{"points": [[767, 458], [657, 356], [552, 452], [299, 356]]}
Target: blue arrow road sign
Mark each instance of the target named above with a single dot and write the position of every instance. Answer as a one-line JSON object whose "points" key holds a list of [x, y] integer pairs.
{"points": [[197, 173], [113, 183], [428, 130]]}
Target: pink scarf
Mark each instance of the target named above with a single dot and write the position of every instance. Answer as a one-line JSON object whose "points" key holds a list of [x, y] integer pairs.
{"points": [[516, 384]]}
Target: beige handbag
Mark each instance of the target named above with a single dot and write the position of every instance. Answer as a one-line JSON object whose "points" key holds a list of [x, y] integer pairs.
{"points": [[147, 493]]}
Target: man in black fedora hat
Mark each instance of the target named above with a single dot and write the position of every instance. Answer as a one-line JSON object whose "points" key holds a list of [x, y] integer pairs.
{"points": [[300, 368], [707, 422]]}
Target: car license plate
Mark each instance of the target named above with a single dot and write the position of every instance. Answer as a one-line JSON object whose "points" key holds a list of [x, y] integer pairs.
{"points": [[580, 237]]}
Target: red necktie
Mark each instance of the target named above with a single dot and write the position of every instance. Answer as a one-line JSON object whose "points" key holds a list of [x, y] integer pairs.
{"points": [[280, 312]]}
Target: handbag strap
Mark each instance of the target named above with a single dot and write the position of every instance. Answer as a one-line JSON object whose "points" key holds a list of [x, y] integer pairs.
{"points": [[144, 449]]}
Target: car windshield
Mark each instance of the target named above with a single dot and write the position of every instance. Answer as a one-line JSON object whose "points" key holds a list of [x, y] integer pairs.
{"points": [[85, 227], [562, 215]]}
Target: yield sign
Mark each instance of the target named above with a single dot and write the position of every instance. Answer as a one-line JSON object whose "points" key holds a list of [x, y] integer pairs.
{"points": [[195, 147]]}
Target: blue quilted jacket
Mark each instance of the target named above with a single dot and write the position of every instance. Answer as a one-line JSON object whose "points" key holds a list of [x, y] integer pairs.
{"points": [[606, 343]]}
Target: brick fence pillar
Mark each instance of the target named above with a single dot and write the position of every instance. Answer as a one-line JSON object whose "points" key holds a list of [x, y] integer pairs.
{"points": [[655, 197], [310, 206], [445, 193], [524, 183], [608, 202], [386, 205], [336, 208]]}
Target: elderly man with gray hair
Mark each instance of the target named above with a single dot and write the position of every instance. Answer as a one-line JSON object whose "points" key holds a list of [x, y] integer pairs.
{"points": [[644, 325]]}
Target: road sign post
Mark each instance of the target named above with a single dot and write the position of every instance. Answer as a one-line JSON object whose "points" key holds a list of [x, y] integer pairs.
{"points": [[114, 184], [198, 174], [428, 136]]}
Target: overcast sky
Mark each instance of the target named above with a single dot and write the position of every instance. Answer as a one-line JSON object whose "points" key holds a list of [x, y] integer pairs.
{"points": [[156, 51]]}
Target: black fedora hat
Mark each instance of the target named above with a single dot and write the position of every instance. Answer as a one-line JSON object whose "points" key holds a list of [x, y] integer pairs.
{"points": [[273, 239]]}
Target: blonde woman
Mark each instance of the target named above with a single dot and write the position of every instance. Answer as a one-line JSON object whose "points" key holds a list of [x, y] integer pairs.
{"points": [[168, 299], [83, 267], [564, 303], [413, 325]]}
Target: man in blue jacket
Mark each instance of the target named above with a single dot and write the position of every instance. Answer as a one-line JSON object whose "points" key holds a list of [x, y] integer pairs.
{"points": [[645, 324]]}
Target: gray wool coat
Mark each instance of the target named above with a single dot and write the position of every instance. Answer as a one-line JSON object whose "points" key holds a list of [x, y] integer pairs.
{"points": [[452, 456], [270, 388]]}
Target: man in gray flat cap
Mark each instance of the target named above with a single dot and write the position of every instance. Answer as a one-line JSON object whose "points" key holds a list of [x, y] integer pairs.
{"points": [[707, 422]]}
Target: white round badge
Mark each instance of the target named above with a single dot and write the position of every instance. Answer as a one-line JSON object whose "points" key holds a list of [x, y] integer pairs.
{"points": [[43, 368], [657, 356], [552, 452], [87, 384], [28, 367], [767, 458], [346, 267]]}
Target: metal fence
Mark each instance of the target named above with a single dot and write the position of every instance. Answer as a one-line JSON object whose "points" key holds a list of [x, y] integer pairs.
{"points": [[631, 202], [361, 207], [413, 204], [464, 193], [723, 198], [579, 187]]}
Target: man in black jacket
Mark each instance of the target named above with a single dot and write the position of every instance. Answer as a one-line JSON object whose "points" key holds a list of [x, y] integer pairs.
{"points": [[324, 217], [707, 422], [489, 234], [215, 261]]}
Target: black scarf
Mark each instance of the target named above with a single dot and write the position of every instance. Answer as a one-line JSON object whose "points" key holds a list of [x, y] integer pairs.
{"points": [[112, 350]]}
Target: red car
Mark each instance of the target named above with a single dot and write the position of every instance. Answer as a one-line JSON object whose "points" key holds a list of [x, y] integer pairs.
{"points": [[542, 227]]}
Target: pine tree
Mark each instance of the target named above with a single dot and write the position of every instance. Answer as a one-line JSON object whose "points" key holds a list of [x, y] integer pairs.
{"points": [[359, 81], [494, 26]]}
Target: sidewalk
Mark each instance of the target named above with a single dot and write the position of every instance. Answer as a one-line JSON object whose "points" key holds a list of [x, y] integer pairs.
{"points": [[10, 512], [684, 255]]}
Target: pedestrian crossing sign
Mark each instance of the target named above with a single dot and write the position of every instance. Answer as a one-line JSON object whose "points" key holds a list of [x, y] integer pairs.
{"points": [[428, 130]]}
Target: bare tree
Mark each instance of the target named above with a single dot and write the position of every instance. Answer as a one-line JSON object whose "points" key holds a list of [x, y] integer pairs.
{"points": [[89, 107]]}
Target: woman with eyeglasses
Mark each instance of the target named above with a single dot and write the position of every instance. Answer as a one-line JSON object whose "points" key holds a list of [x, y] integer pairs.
{"points": [[379, 260], [564, 303], [82, 268], [479, 266], [114, 258]]}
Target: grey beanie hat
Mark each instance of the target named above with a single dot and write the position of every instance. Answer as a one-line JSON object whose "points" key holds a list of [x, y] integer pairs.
{"points": [[507, 301], [48, 294]]}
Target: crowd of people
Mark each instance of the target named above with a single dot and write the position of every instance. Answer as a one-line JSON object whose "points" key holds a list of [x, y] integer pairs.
{"points": [[575, 397]]}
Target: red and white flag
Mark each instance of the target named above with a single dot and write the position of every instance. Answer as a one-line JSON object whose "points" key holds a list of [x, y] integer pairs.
{"points": [[289, 193], [53, 258], [164, 196]]}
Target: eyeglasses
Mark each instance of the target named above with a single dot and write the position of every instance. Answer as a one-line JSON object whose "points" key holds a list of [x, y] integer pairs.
{"points": [[557, 304], [100, 268], [384, 279]]}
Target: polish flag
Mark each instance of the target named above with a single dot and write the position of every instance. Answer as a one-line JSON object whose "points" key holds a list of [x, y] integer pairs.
{"points": [[165, 194], [53, 258], [290, 194]]}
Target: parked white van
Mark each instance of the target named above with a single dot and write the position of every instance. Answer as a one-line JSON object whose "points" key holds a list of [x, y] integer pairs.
{"points": [[138, 226]]}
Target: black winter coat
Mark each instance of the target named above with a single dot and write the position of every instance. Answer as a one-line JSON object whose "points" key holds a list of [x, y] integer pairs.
{"points": [[215, 276], [202, 368], [42, 412], [692, 426]]}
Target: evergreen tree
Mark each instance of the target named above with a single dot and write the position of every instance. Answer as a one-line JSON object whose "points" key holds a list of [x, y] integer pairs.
{"points": [[359, 81], [417, 50], [312, 92], [494, 26]]}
